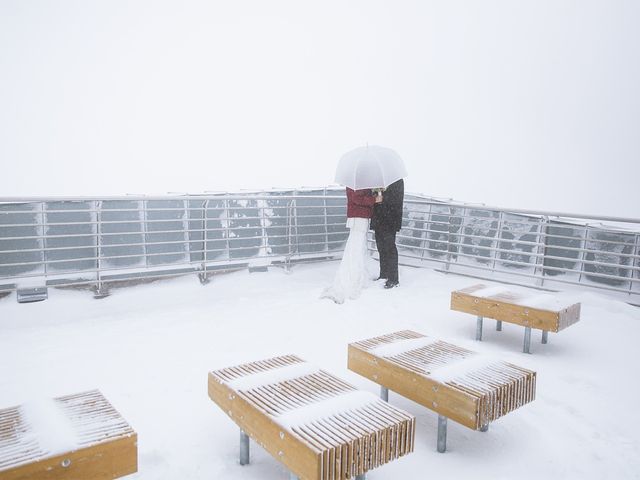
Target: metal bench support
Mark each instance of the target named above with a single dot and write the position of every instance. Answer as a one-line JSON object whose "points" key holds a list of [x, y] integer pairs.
{"points": [[484, 428], [479, 329], [244, 448], [526, 348], [442, 433], [499, 325], [384, 393], [545, 336]]}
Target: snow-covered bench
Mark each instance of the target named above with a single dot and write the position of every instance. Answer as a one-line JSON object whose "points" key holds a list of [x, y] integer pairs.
{"points": [[76, 437], [317, 425], [459, 384], [542, 311]]}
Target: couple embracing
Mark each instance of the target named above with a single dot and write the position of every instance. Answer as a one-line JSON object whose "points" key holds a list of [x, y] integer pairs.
{"points": [[383, 208]]}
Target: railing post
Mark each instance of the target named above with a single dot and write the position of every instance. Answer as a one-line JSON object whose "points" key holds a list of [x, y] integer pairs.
{"points": [[449, 227], [101, 290]]}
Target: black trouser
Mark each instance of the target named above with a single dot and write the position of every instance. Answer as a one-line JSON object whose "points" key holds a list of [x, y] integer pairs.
{"points": [[386, 244]]}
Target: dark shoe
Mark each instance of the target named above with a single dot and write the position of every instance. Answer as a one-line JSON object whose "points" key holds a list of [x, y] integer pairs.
{"points": [[391, 284], [380, 278]]}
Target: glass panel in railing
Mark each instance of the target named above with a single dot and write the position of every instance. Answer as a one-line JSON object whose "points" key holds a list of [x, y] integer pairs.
{"points": [[310, 218], [121, 234], [165, 226], [245, 228], [564, 241], [217, 230], [196, 227], [438, 236], [277, 217], [71, 237], [415, 223], [518, 245], [20, 240], [609, 257], [478, 239]]}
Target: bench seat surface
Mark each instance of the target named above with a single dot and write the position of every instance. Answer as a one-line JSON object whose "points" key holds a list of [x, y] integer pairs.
{"points": [[77, 436], [468, 387], [316, 424]]}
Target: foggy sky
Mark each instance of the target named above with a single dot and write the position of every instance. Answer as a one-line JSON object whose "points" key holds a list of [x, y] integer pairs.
{"points": [[530, 104]]}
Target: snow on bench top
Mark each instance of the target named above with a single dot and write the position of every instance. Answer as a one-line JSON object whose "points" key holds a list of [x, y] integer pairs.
{"points": [[343, 403], [402, 346], [542, 301], [275, 375], [460, 368], [48, 425]]}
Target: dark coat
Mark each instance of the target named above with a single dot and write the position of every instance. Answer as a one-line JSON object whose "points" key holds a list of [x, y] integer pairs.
{"points": [[387, 216], [359, 203]]}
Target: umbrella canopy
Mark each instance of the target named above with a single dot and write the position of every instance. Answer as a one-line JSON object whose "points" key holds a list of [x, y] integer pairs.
{"points": [[370, 167]]}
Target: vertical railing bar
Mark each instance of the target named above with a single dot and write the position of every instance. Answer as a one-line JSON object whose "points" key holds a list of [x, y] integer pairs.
{"points": [[541, 249], [449, 228], [205, 207], [582, 255], [227, 229], [98, 207], [144, 233], [425, 233], [44, 241], [263, 229], [634, 261], [326, 221]]}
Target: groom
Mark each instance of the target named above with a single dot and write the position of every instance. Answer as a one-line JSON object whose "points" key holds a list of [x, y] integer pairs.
{"points": [[386, 222]]}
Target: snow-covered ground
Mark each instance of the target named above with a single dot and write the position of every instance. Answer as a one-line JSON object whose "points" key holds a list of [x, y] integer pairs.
{"points": [[148, 349]]}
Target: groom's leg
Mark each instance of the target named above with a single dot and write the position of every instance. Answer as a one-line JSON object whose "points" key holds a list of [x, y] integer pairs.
{"points": [[392, 257], [380, 245]]}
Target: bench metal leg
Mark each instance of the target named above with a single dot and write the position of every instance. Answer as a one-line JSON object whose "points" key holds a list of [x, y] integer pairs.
{"points": [[361, 477], [244, 448], [484, 428], [384, 393], [545, 336], [499, 325], [479, 329], [442, 433], [526, 348]]}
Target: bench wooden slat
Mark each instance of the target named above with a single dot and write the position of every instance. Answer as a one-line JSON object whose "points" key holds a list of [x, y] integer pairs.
{"points": [[473, 398], [317, 425], [105, 446]]}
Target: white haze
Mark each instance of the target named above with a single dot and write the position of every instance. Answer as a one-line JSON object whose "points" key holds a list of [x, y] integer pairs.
{"points": [[530, 104]]}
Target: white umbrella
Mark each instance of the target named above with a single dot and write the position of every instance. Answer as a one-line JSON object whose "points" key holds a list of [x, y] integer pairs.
{"points": [[370, 167]]}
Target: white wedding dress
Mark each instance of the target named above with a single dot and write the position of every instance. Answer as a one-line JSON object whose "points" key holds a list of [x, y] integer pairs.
{"points": [[352, 275]]}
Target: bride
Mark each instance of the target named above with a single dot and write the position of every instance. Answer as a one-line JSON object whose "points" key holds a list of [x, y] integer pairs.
{"points": [[352, 274]]}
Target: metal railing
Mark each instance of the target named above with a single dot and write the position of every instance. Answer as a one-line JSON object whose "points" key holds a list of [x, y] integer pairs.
{"points": [[98, 240]]}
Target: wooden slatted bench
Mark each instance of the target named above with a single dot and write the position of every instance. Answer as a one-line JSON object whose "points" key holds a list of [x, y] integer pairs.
{"points": [[76, 437], [459, 384], [542, 311], [318, 426]]}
